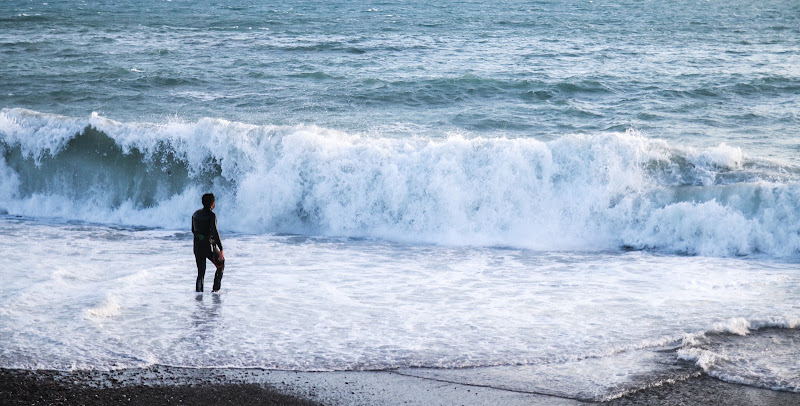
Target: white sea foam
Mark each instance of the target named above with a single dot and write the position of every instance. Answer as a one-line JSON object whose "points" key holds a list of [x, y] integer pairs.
{"points": [[741, 326], [124, 298], [723, 156], [107, 309], [576, 192], [758, 352]]}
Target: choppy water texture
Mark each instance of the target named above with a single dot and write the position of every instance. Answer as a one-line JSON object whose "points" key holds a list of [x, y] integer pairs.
{"points": [[530, 192], [705, 72]]}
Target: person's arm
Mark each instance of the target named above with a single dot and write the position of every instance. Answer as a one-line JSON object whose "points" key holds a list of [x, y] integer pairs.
{"points": [[217, 240]]}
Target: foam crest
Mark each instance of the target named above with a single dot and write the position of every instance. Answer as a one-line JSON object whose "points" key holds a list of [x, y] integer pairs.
{"points": [[107, 309], [577, 192], [741, 326], [36, 133], [723, 156], [751, 352]]}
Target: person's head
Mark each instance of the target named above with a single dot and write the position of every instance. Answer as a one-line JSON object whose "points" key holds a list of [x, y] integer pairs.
{"points": [[208, 201]]}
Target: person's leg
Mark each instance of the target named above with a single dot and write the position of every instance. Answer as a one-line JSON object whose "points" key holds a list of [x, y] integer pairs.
{"points": [[220, 264], [201, 272]]}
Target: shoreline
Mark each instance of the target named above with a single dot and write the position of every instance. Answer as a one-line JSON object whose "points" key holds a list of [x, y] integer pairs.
{"points": [[161, 385]]}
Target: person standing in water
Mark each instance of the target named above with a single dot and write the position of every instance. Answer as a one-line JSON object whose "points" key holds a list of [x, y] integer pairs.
{"points": [[206, 242]]}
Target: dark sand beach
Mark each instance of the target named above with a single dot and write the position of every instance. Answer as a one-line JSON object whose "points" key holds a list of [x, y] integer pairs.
{"points": [[24, 387], [179, 386]]}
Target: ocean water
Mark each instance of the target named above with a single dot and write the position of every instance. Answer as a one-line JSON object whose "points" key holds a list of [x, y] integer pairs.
{"points": [[589, 197]]}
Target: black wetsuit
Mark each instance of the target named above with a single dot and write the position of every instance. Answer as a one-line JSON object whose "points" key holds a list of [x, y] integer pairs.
{"points": [[204, 228]]}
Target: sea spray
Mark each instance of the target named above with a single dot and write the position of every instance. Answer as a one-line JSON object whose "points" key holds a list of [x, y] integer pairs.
{"points": [[600, 191]]}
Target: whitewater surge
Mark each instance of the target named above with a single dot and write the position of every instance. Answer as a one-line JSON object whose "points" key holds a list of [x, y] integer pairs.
{"points": [[585, 192], [462, 314], [751, 352]]}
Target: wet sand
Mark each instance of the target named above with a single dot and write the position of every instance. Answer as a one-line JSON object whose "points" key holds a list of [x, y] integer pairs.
{"points": [[179, 386], [705, 390], [24, 387]]}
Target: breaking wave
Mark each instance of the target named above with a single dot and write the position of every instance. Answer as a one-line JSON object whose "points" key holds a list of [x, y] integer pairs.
{"points": [[602, 191]]}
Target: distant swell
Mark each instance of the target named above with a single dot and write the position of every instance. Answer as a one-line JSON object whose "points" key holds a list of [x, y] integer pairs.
{"points": [[602, 191]]}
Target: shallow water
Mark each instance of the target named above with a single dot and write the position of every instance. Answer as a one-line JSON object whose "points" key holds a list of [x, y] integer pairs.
{"points": [[124, 299]]}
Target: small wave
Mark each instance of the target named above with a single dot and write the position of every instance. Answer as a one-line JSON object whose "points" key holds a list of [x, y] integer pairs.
{"points": [[582, 86], [314, 75], [442, 91], [23, 17], [768, 85], [759, 353], [107, 309], [326, 47], [166, 81]]}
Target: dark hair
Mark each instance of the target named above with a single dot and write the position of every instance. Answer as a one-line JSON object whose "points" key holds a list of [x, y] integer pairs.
{"points": [[208, 200]]}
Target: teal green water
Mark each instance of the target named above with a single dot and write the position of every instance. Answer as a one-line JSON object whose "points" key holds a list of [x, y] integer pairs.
{"points": [[698, 72]]}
